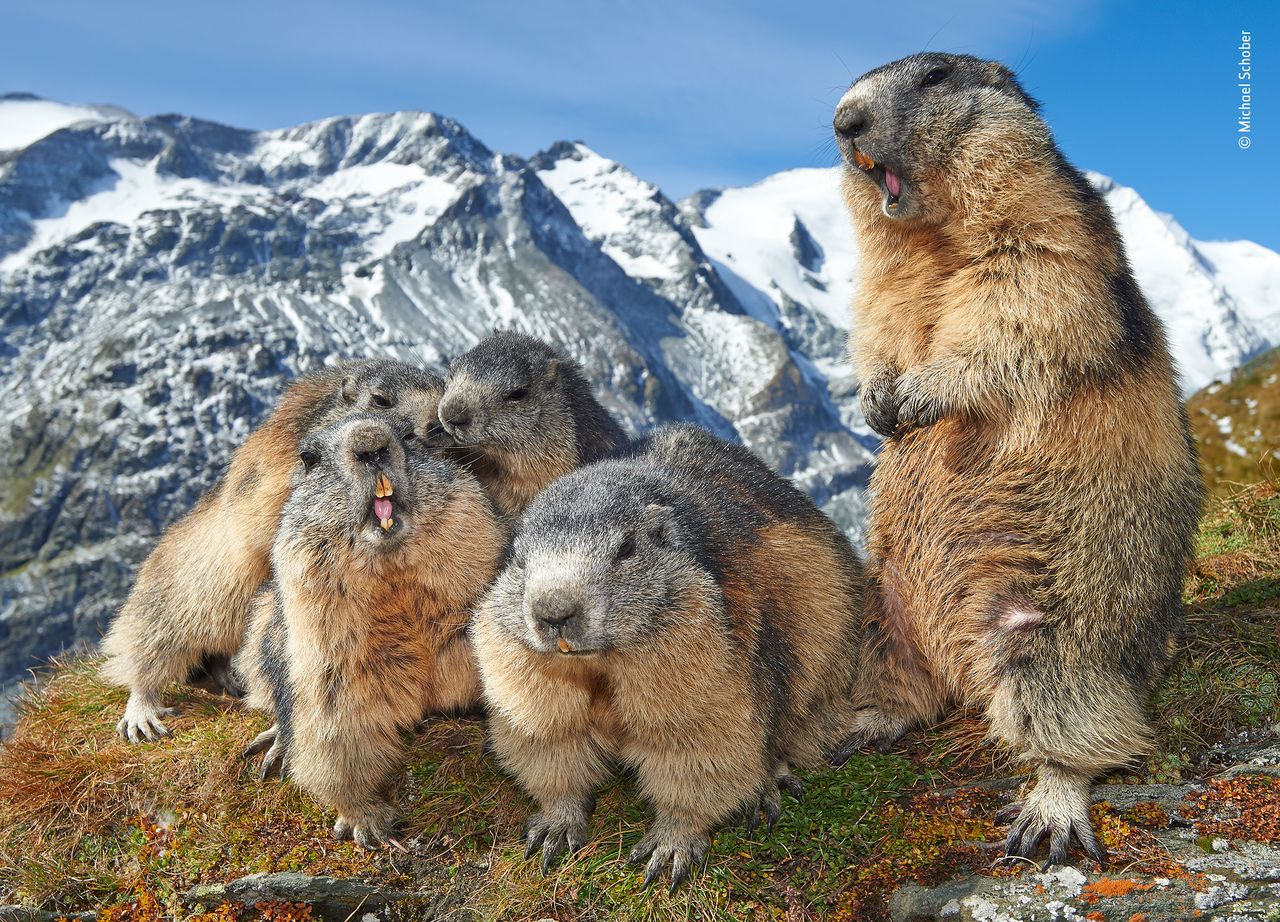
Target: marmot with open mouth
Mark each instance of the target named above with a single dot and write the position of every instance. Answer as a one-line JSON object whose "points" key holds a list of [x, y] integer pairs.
{"points": [[384, 546], [522, 414], [681, 610], [1036, 499], [186, 613]]}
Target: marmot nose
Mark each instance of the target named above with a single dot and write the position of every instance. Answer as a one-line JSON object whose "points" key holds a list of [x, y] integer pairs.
{"points": [[455, 417], [370, 440], [556, 615], [851, 121]]}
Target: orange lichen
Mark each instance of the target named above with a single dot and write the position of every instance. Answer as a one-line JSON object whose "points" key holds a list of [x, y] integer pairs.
{"points": [[1244, 807], [1109, 887]]}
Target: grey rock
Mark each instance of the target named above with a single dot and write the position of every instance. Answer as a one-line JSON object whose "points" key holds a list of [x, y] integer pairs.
{"points": [[332, 898]]}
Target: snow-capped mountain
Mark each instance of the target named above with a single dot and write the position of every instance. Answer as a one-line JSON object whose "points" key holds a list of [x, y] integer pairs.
{"points": [[161, 279]]}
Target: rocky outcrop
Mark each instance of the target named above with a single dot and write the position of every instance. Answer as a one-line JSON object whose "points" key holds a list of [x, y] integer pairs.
{"points": [[1198, 851]]}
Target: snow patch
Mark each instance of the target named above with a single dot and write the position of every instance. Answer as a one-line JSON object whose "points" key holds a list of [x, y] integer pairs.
{"points": [[134, 189], [25, 120]]}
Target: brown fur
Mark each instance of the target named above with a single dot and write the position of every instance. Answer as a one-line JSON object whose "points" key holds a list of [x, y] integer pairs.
{"points": [[192, 593], [1027, 548]]}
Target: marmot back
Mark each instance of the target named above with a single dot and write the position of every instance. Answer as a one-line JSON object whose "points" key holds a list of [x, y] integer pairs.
{"points": [[383, 547], [683, 610], [1036, 499], [522, 414], [185, 615]]}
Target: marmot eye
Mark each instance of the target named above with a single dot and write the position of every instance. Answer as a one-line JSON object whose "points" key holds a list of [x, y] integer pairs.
{"points": [[934, 77], [625, 549], [382, 401], [309, 458], [518, 394]]}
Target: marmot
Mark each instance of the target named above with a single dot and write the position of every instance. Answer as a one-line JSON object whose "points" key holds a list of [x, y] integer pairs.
{"points": [[1035, 502], [522, 414], [186, 613], [383, 548], [682, 610]]}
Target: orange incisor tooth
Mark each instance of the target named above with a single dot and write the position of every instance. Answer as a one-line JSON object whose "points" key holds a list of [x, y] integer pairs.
{"points": [[382, 488], [387, 523], [564, 645], [863, 160]]}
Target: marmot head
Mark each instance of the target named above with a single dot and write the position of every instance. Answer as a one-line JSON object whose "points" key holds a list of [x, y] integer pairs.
{"points": [[908, 129], [379, 386], [511, 395], [597, 561], [361, 488]]}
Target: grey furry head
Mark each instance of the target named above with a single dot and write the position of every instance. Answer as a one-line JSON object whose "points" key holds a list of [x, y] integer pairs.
{"points": [[380, 386], [511, 392], [597, 562], [361, 488], [915, 117]]}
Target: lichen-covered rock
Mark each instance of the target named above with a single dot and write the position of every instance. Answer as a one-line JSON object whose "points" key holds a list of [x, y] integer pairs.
{"points": [[328, 897]]}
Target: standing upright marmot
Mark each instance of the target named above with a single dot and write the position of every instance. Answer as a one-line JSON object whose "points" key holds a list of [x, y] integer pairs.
{"points": [[522, 414], [682, 610], [185, 614], [1035, 501], [383, 548]]}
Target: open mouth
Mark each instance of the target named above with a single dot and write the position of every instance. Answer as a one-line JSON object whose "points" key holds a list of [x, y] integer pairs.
{"points": [[383, 509], [886, 178]]}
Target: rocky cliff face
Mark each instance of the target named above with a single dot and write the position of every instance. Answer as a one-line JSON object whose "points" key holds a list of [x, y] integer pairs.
{"points": [[162, 279]]}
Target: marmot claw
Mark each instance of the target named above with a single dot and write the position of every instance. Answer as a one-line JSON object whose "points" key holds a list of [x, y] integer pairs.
{"points": [[916, 408], [555, 836], [1029, 827], [369, 832], [664, 848]]}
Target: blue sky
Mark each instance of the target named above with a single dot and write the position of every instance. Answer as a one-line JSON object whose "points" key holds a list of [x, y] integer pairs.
{"points": [[689, 94]]}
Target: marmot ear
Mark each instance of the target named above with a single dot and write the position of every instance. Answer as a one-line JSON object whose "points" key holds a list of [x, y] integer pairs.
{"points": [[553, 370], [659, 524], [349, 390], [996, 74]]}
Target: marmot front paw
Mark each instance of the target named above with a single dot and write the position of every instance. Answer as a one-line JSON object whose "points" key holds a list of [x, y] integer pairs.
{"points": [[664, 846], [880, 405], [917, 407], [370, 830], [555, 833]]}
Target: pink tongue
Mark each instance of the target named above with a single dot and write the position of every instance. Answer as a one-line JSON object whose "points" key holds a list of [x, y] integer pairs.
{"points": [[892, 182], [382, 508]]}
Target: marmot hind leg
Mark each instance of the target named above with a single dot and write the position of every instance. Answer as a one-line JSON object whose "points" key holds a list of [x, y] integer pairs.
{"points": [[1074, 723], [896, 691]]}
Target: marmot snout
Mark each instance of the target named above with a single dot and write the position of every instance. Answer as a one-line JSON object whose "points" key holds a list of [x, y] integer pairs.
{"points": [[901, 127]]}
